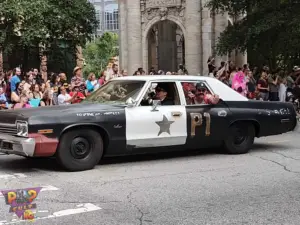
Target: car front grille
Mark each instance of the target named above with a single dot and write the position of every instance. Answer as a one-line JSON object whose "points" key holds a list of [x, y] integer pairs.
{"points": [[8, 128]]}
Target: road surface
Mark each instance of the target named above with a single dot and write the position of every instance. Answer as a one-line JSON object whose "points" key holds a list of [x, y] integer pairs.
{"points": [[188, 188]]}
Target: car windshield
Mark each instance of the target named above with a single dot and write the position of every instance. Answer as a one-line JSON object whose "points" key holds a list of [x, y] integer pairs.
{"points": [[117, 92]]}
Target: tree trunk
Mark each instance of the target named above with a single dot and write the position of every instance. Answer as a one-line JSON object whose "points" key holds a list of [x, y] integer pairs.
{"points": [[1, 61], [25, 59], [79, 57], [43, 64]]}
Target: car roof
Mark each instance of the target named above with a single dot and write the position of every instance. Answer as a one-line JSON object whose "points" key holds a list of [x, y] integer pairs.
{"points": [[163, 77], [218, 87]]}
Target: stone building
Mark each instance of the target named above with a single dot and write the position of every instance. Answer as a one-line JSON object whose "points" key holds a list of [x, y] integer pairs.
{"points": [[107, 14], [165, 33]]}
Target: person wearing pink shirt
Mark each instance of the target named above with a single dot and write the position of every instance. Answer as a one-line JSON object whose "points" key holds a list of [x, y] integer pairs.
{"points": [[23, 103]]}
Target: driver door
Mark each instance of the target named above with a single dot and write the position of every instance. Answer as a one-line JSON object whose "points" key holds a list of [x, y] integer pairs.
{"points": [[147, 127]]}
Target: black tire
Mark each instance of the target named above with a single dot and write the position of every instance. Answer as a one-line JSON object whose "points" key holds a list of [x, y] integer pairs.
{"points": [[240, 139], [80, 149]]}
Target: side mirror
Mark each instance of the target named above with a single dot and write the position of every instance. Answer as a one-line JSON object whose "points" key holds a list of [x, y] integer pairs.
{"points": [[155, 103], [130, 103]]}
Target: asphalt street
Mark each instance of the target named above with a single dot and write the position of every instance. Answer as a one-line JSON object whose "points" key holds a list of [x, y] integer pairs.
{"points": [[186, 188]]}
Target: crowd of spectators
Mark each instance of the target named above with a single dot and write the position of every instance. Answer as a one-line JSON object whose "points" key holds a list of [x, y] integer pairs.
{"points": [[31, 90]]}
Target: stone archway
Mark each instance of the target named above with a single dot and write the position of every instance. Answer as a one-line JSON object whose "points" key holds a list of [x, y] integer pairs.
{"points": [[163, 44]]}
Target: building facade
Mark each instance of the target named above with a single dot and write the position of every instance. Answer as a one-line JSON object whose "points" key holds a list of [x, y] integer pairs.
{"points": [[165, 33], [107, 14]]}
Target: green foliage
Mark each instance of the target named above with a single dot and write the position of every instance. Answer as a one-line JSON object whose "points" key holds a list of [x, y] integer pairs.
{"points": [[30, 22], [98, 53], [270, 32]]}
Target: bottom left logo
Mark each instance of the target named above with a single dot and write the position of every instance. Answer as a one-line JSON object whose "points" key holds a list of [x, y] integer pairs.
{"points": [[20, 201]]}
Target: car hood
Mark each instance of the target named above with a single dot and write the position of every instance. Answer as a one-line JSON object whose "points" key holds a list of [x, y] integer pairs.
{"points": [[10, 116]]}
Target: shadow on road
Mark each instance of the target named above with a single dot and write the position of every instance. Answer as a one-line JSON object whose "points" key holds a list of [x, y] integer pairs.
{"points": [[21, 165]]}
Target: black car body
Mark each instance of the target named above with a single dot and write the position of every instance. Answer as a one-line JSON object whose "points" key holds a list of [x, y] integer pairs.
{"points": [[112, 122]]}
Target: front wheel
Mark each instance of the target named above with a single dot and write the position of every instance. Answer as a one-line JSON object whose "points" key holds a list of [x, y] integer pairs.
{"points": [[240, 139], [80, 149]]}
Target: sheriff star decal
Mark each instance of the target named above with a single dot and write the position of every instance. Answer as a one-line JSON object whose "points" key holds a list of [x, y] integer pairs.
{"points": [[164, 125]]}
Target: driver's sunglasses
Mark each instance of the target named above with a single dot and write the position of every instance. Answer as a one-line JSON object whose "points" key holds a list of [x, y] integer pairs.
{"points": [[202, 90], [159, 89]]}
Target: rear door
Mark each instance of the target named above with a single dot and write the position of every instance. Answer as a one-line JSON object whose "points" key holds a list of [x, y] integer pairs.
{"points": [[207, 125]]}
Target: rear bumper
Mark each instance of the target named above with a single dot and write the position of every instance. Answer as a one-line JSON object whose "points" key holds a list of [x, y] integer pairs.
{"points": [[10, 144]]}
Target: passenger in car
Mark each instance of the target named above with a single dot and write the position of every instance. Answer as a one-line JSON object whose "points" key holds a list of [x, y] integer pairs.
{"points": [[202, 96]]}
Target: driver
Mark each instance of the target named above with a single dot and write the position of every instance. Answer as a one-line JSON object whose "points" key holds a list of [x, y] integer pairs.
{"points": [[161, 92], [202, 96]]}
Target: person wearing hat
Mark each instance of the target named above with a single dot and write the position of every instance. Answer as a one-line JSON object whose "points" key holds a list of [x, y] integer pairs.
{"points": [[202, 96], [162, 91], [77, 80]]}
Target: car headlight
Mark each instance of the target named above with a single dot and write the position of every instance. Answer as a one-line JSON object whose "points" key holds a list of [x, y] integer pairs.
{"points": [[22, 128]]}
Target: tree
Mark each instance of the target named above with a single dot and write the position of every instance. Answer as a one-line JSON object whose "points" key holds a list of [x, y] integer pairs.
{"points": [[270, 30], [45, 22], [98, 53]]}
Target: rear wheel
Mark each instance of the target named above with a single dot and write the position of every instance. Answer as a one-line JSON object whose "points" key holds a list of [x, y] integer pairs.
{"points": [[240, 139], [80, 149]]}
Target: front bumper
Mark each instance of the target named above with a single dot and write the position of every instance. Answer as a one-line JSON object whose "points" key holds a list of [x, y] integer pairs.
{"points": [[10, 144]]}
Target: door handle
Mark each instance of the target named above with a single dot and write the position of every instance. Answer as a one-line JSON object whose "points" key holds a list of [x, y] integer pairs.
{"points": [[176, 113]]}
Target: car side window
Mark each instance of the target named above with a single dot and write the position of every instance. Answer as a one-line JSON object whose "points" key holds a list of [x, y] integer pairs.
{"points": [[194, 91], [166, 92]]}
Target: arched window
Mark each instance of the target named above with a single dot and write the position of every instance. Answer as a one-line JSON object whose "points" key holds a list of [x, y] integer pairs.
{"points": [[111, 17]]}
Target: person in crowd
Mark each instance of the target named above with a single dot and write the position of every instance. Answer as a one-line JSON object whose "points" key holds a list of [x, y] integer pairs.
{"points": [[28, 81], [43, 87], [273, 86], [239, 82], [180, 69], [36, 91], [137, 73], [3, 99], [78, 95], [124, 73], [55, 95], [282, 89], [152, 71], [15, 95], [91, 83], [35, 96], [62, 79], [211, 66], [23, 102], [35, 73], [290, 81], [2, 80], [142, 71], [78, 80], [55, 80], [101, 80], [161, 72], [15, 79], [7, 88], [263, 86], [47, 99], [64, 98], [251, 84]]}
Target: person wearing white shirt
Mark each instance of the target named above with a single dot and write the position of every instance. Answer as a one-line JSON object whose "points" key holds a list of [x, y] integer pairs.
{"points": [[282, 89], [64, 98]]}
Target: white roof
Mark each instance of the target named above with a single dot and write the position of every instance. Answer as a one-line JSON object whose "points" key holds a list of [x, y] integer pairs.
{"points": [[225, 92], [164, 77]]}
